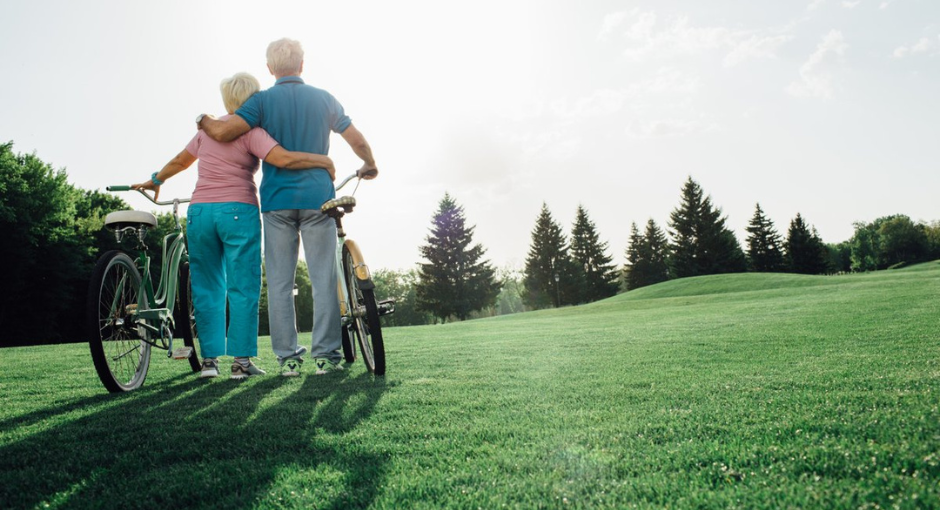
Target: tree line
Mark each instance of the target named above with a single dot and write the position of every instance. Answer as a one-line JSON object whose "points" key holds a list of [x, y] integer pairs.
{"points": [[53, 232], [561, 270]]}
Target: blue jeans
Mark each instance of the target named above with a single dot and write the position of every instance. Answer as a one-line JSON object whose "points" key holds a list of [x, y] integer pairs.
{"points": [[283, 231], [225, 264]]}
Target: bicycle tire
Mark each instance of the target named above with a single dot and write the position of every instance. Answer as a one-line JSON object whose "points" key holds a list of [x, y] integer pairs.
{"points": [[365, 318], [121, 357], [184, 316]]}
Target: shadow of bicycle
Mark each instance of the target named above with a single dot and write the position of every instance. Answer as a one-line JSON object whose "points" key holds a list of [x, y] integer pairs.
{"points": [[197, 444]]}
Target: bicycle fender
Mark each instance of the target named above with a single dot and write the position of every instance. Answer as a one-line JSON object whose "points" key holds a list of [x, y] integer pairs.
{"points": [[360, 267]]}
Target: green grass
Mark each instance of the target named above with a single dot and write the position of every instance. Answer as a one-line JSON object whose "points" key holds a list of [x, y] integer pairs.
{"points": [[733, 391]]}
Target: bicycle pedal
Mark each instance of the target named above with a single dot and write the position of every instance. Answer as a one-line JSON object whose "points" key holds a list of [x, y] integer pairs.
{"points": [[182, 352]]}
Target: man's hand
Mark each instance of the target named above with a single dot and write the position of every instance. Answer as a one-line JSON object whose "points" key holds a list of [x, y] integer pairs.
{"points": [[224, 130], [367, 172]]}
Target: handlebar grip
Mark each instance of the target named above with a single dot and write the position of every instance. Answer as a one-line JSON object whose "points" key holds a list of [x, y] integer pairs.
{"points": [[118, 188], [368, 173]]}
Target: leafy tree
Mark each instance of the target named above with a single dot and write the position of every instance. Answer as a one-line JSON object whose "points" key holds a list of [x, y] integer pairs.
{"points": [[454, 281], [763, 242], [839, 257], [402, 287], [550, 276], [597, 274], [647, 255], [50, 231], [864, 248], [889, 241], [512, 294], [806, 253], [902, 241], [932, 231], [702, 244]]}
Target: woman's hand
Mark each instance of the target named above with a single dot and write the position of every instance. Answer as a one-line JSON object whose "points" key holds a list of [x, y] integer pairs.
{"points": [[148, 185]]}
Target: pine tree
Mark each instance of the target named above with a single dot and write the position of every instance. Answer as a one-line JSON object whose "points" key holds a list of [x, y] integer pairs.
{"points": [[597, 274], [633, 257], [763, 242], [656, 252], [549, 272], [806, 253], [702, 244], [454, 281], [648, 256]]}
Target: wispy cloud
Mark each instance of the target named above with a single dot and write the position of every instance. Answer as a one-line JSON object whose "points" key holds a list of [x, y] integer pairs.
{"points": [[649, 38], [755, 47], [814, 5], [925, 46], [817, 73], [851, 4], [667, 128], [611, 22]]}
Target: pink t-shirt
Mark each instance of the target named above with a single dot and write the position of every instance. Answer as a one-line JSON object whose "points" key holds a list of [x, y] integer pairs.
{"points": [[227, 170]]}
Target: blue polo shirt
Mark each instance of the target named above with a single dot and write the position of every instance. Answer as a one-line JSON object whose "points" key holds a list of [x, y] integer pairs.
{"points": [[300, 118]]}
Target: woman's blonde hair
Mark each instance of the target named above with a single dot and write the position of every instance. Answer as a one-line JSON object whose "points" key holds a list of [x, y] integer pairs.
{"points": [[285, 57], [237, 89]]}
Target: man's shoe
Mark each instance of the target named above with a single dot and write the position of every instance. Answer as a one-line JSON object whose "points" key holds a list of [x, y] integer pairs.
{"points": [[290, 365], [326, 365], [241, 372], [210, 368]]}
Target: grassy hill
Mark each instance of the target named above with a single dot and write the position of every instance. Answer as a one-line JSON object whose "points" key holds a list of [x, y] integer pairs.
{"points": [[731, 391]]}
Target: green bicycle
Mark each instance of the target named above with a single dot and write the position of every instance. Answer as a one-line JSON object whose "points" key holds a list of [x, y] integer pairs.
{"points": [[126, 316]]}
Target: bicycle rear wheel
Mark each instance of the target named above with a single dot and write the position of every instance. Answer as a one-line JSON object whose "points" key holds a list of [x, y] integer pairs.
{"points": [[121, 358], [365, 318], [184, 316]]}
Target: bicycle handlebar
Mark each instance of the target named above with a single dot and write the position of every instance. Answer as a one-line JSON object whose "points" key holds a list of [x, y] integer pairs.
{"points": [[144, 193], [367, 173]]}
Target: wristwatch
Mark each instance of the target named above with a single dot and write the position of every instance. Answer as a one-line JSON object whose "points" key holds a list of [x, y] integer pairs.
{"points": [[199, 118]]}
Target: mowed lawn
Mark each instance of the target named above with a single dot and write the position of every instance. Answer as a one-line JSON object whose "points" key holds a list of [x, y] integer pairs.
{"points": [[731, 391]]}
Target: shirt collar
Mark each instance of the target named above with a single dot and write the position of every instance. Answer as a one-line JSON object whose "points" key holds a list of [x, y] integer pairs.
{"points": [[289, 79]]}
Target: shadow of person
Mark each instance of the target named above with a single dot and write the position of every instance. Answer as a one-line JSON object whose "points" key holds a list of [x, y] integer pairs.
{"points": [[202, 444]]}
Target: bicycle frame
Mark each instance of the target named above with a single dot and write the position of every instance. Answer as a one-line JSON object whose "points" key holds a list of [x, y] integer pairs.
{"points": [[155, 320], [347, 311]]}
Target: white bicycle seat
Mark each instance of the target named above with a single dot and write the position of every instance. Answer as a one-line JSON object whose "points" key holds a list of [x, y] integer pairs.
{"points": [[121, 219]]}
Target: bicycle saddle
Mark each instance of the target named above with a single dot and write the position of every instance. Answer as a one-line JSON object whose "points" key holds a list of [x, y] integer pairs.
{"points": [[121, 219], [338, 206]]}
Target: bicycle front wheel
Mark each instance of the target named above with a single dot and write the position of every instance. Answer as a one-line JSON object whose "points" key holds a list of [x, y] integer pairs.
{"points": [[121, 357], [185, 316], [365, 317]]}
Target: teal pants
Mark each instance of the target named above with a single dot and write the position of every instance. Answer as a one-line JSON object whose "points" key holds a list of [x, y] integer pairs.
{"points": [[225, 266]]}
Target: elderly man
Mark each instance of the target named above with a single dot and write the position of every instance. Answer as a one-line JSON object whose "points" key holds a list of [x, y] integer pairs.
{"points": [[300, 117]]}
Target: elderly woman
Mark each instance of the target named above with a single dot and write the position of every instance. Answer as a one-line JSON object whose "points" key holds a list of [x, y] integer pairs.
{"points": [[224, 230]]}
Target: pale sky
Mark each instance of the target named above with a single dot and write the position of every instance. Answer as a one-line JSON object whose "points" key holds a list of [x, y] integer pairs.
{"points": [[828, 108]]}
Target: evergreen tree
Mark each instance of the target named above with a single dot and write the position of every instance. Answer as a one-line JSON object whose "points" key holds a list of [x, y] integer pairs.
{"points": [[549, 272], [763, 244], [454, 281], [806, 253], [648, 255], [702, 244], [633, 257], [598, 276]]}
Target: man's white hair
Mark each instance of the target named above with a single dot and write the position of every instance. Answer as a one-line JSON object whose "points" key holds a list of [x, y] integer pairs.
{"points": [[237, 89], [285, 56]]}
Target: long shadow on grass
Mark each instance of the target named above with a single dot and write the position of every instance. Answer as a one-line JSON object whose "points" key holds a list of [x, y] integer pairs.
{"points": [[197, 444]]}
